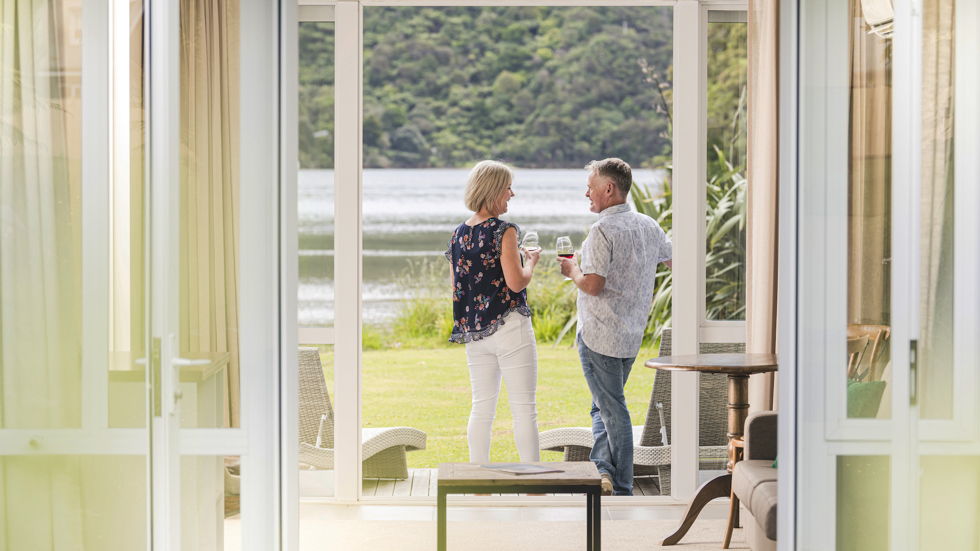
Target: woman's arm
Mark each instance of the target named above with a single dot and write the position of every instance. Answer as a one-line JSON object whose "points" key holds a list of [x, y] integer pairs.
{"points": [[516, 276]]}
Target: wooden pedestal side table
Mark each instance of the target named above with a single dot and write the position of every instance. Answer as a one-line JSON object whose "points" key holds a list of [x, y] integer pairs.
{"points": [[738, 367], [579, 477]]}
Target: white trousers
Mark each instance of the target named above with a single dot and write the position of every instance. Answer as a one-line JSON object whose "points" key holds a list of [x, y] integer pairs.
{"points": [[510, 353]]}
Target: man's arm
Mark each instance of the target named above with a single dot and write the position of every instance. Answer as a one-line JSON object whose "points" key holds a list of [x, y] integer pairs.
{"points": [[590, 284]]}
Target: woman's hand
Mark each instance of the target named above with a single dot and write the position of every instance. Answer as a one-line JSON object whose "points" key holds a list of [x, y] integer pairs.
{"points": [[516, 276], [532, 255]]}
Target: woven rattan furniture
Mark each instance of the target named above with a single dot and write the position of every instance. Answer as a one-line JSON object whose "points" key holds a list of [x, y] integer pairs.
{"points": [[651, 453], [383, 450], [737, 367]]}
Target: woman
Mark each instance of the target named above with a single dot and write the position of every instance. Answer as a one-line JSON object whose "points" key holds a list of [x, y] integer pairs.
{"points": [[491, 314]]}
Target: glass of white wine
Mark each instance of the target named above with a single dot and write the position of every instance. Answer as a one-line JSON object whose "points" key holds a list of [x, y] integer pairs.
{"points": [[530, 240]]}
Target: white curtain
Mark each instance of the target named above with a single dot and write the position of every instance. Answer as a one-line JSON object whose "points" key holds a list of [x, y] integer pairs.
{"points": [[936, 238], [209, 281], [40, 367], [762, 230]]}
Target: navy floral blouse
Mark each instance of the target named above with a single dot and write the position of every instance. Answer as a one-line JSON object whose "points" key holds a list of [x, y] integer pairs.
{"points": [[481, 297]]}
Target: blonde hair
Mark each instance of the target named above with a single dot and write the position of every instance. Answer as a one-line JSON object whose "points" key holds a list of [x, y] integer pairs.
{"points": [[486, 182]]}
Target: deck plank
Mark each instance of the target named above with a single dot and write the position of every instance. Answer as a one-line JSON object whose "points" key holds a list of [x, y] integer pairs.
{"points": [[386, 487], [369, 486], [433, 482], [404, 487], [420, 482]]}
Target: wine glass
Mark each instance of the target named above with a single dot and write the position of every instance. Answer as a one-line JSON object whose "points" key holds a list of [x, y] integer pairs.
{"points": [[565, 249], [530, 240]]}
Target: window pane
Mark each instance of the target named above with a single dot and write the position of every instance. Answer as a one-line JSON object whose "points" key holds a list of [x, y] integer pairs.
{"points": [[726, 157], [546, 90], [209, 212], [869, 223], [863, 502], [41, 217], [316, 184], [937, 298]]}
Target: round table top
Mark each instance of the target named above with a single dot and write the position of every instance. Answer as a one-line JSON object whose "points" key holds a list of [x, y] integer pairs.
{"points": [[732, 364]]}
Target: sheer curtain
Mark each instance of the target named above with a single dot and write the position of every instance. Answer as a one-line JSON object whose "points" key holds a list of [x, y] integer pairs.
{"points": [[936, 240], [209, 282], [763, 195], [40, 187]]}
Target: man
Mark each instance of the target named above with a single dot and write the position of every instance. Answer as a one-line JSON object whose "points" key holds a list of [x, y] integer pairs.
{"points": [[616, 285]]}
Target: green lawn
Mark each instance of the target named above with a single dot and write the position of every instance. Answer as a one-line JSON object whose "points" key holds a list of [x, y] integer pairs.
{"points": [[429, 389]]}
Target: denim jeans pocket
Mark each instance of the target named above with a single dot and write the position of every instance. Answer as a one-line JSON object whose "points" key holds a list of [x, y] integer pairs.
{"points": [[613, 366]]}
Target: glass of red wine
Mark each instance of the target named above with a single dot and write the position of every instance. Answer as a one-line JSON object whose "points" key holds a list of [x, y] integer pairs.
{"points": [[565, 249]]}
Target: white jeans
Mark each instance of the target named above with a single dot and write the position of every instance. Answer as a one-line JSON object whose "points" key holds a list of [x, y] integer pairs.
{"points": [[511, 353]]}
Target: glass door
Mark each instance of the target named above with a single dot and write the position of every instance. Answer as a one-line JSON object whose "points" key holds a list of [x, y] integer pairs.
{"points": [[76, 403], [887, 263]]}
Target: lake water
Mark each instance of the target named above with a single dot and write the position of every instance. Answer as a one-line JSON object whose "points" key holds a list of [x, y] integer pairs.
{"points": [[410, 214]]}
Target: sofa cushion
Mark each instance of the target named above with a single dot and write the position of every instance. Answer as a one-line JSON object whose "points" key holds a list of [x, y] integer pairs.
{"points": [[754, 482]]}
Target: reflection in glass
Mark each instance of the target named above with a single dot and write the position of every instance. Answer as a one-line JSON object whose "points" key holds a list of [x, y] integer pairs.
{"points": [[949, 503], [127, 315], [938, 192], [40, 217], [209, 211], [863, 502], [868, 369], [725, 263]]}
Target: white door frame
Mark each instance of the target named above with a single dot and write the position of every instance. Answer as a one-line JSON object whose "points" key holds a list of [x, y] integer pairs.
{"points": [[689, 51]]}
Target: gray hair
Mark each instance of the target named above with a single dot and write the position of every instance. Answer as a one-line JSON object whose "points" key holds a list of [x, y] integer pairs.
{"points": [[617, 170]]}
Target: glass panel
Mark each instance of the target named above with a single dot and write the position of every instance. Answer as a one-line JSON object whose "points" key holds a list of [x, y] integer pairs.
{"points": [[74, 502], [40, 216], [316, 422], [210, 518], [316, 185], [127, 386], [869, 222], [938, 193], [726, 189], [209, 219], [316, 255], [949, 503], [545, 90], [863, 503]]}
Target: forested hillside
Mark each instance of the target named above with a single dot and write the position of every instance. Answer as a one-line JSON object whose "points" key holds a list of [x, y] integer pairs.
{"points": [[533, 86]]}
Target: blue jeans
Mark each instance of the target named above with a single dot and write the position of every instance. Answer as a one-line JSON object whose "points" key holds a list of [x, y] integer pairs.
{"points": [[611, 424]]}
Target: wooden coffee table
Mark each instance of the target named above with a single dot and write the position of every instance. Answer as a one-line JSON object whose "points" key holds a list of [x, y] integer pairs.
{"points": [[579, 477], [738, 367]]}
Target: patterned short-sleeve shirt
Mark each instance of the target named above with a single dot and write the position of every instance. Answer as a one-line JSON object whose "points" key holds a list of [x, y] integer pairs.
{"points": [[480, 294], [624, 247]]}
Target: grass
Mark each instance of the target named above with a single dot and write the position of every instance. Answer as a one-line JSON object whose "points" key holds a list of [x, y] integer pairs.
{"points": [[429, 389]]}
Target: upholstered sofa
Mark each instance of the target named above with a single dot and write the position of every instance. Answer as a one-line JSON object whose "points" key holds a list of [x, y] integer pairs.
{"points": [[754, 481]]}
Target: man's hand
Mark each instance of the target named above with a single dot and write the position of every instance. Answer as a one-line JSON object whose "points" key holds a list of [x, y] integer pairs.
{"points": [[569, 266], [590, 284]]}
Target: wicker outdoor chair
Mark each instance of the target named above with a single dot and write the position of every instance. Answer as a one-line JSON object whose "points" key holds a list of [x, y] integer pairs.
{"points": [[651, 454], [383, 450]]}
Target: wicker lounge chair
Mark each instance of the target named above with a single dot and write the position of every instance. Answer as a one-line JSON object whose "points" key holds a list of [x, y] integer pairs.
{"points": [[383, 450], [651, 455]]}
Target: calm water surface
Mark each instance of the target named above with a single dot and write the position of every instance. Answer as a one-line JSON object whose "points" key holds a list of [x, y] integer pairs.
{"points": [[410, 214]]}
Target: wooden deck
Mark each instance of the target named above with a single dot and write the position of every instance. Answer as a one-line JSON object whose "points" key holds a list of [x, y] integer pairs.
{"points": [[422, 483]]}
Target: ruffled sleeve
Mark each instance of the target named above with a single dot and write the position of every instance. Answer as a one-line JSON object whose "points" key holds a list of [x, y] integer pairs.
{"points": [[498, 235]]}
